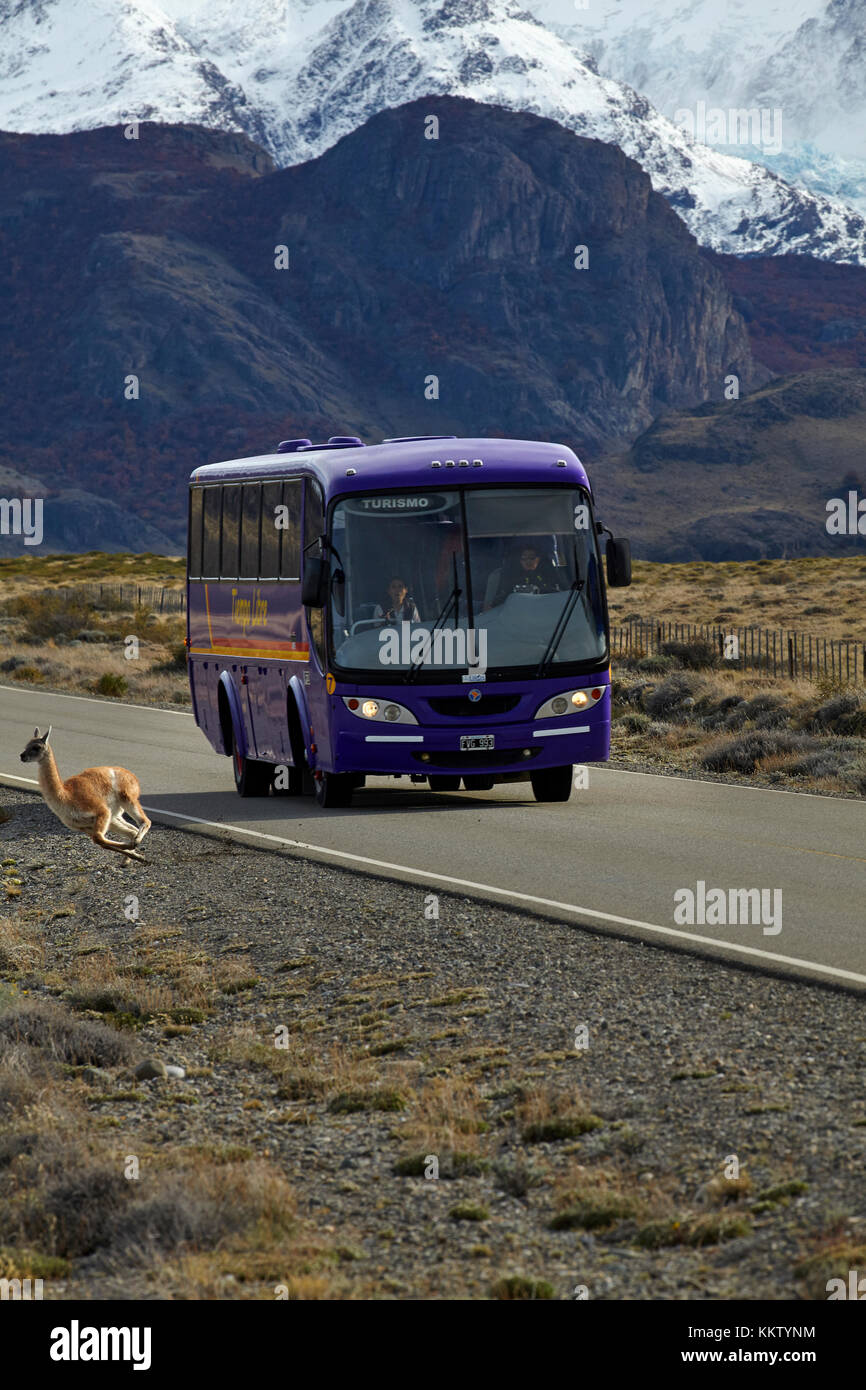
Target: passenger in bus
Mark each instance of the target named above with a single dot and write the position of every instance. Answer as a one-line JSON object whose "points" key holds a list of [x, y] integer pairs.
{"points": [[527, 571], [399, 605]]}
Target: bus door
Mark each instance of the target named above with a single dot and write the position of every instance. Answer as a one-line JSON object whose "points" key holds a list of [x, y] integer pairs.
{"points": [[314, 671]]}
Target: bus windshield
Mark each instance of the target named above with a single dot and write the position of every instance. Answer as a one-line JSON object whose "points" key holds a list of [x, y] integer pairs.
{"points": [[508, 577]]}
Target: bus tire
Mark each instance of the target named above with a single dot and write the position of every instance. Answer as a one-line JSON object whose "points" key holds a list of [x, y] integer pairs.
{"points": [[300, 778], [251, 778], [334, 789], [444, 784], [552, 783], [478, 784]]}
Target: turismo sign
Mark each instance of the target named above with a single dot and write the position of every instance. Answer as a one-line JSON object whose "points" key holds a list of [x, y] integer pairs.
{"points": [[388, 505]]}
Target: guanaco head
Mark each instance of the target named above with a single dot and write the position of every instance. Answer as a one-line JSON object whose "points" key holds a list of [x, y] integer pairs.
{"points": [[37, 747]]}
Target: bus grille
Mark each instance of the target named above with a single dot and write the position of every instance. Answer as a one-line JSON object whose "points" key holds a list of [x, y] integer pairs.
{"points": [[459, 706]]}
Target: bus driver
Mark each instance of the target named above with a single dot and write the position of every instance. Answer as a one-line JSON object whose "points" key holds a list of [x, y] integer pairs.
{"points": [[398, 605]]}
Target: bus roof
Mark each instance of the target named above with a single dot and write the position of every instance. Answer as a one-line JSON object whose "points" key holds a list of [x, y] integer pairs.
{"points": [[410, 463]]}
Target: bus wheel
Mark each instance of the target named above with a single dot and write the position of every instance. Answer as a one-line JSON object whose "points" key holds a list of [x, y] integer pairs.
{"points": [[552, 783], [300, 777], [478, 784], [444, 784], [334, 789], [251, 778]]}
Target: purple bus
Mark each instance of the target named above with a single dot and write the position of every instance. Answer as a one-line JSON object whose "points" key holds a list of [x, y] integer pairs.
{"points": [[428, 607]]}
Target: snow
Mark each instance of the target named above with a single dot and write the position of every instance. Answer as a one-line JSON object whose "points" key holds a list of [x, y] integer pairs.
{"points": [[297, 75]]}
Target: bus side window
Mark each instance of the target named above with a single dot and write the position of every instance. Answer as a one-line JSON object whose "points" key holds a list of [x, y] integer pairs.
{"points": [[231, 531], [194, 546], [250, 528], [210, 560], [290, 546], [314, 515], [269, 568]]}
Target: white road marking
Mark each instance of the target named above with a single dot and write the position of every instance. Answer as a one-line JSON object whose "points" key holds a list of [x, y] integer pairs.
{"points": [[505, 894], [89, 700], [510, 895]]}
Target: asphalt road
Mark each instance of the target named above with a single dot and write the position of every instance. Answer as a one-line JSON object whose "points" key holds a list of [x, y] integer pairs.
{"points": [[613, 858]]}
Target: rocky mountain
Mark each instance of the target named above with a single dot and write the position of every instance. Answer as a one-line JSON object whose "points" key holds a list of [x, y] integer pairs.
{"points": [[802, 314], [747, 479], [431, 287], [805, 58], [297, 75], [72, 519]]}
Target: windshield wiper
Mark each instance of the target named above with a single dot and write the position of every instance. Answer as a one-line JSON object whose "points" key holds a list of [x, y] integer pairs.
{"points": [[562, 621], [453, 598]]}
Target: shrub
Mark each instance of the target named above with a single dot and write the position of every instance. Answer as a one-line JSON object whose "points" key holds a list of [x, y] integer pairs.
{"points": [[633, 723], [694, 1231], [515, 1286], [744, 753], [111, 684], [451, 1165], [82, 1209], [670, 697], [823, 762], [593, 1214], [70, 1040], [353, 1102], [729, 713], [844, 713], [469, 1211], [767, 711], [656, 665], [558, 1127], [696, 655], [51, 614], [515, 1176]]}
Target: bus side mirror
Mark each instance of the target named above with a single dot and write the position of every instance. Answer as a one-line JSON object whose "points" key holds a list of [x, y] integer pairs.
{"points": [[618, 556], [315, 586]]}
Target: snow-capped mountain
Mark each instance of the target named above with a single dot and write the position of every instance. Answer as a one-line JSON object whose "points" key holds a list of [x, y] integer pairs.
{"points": [[803, 58], [297, 75]]}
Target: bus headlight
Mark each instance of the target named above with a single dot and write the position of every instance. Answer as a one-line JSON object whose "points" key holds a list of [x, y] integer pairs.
{"points": [[570, 700], [368, 708]]}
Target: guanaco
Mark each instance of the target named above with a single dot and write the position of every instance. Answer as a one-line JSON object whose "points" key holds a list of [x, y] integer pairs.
{"points": [[94, 801]]}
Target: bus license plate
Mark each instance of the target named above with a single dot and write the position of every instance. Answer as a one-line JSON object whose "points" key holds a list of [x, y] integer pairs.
{"points": [[475, 742]]}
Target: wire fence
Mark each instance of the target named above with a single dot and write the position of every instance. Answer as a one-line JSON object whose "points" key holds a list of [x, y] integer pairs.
{"points": [[154, 596], [777, 651], [780, 651]]}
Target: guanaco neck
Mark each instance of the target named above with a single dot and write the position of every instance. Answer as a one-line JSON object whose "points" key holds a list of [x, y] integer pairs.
{"points": [[50, 783]]}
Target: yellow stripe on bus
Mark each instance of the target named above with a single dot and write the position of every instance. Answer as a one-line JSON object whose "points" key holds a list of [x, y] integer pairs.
{"points": [[272, 652]]}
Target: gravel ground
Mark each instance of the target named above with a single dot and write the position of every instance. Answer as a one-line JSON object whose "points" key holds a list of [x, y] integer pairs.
{"points": [[688, 1063]]}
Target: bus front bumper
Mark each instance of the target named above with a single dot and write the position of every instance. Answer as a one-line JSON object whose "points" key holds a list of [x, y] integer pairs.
{"points": [[412, 748]]}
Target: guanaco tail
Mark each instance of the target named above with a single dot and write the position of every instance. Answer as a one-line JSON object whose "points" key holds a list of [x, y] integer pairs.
{"points": [[94, 801]]}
